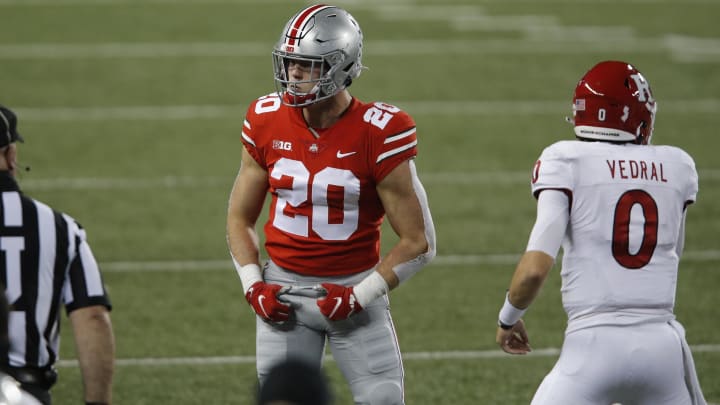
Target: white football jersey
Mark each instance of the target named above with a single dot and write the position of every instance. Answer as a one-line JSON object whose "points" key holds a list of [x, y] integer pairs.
{"points": [[627, 202]]}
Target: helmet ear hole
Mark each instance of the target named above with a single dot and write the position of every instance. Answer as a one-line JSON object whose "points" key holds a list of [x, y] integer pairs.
{"points": [[348, 79], [643, 133]]}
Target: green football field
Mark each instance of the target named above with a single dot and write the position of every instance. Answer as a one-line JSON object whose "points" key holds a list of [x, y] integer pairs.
{"points": [[132, 112]]}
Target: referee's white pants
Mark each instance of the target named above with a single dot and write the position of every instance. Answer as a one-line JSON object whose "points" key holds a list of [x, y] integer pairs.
{"points": [[631, 365]]}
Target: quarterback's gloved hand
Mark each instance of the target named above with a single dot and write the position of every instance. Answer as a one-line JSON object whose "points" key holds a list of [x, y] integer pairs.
{"points": [[339, 303], [263, 298]]}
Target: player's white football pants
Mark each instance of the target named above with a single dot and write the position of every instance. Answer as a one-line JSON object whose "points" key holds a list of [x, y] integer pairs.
{"points": [[638, 364], [364, 346]]}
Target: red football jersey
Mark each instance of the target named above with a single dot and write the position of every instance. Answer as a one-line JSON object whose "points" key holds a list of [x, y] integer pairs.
{"points": [[325, 212]]}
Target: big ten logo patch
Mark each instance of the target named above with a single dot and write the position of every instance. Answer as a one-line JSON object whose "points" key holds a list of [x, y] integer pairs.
{"points": [[282, 145]]}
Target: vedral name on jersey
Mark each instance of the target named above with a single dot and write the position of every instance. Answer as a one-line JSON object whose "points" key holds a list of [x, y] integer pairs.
{"points": [[636, 169]]}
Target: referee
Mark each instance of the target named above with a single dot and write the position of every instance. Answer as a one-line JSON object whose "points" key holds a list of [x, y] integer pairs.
{"points": [[46, 262]]}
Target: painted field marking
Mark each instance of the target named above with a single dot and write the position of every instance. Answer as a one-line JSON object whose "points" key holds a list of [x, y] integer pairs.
{"points": [[422, 107], [409, 356], [180, 182], [683, 49], [348, 3], [441, 260]]}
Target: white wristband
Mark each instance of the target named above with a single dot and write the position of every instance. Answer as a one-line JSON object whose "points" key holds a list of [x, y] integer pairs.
{"points": [[372, 287], [509, 315], [249, 274]]}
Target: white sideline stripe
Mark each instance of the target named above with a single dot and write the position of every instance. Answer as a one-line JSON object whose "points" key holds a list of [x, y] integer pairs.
{"points": [[444, 107], [109, 183], [442, 260], [430, 355], [134, 2], [354, 3], [681, 48], [179, 182]]}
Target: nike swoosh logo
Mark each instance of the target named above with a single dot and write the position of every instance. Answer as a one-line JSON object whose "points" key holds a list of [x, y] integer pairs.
{"points": [[337, 305], [261, 298], [341, 155]]}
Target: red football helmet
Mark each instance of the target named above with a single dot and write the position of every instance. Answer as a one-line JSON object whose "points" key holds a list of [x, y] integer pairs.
{"points": [[613, 102]]}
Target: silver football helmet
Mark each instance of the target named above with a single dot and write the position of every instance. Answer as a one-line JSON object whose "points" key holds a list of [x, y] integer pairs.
{"points": [[320, 37]]}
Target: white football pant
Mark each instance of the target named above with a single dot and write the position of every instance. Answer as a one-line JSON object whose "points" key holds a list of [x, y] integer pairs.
{"points": [[638, 365]]}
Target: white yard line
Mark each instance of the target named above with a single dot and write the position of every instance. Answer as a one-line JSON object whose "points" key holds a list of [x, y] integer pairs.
{"points": [[422, 107], [682, 49], [181, 182], [67, 3], [348, 3], [408, 356], [119, 183], [261, 49], [441, 261], [31, 183]]}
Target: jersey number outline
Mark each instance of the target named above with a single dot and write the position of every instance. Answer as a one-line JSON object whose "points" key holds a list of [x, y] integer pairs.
{"points": [[319, 186], [380, 114], [621, 229]]}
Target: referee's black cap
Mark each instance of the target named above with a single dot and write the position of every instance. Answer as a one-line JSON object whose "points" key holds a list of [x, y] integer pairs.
{"points": [[8, 127]]}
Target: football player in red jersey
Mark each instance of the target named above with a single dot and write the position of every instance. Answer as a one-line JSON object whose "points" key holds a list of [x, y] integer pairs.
{"points": [[334, 167], [617, 204]]}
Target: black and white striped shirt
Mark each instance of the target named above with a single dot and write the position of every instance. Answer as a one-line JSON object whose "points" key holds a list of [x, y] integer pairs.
{"points": [[45, 262]]}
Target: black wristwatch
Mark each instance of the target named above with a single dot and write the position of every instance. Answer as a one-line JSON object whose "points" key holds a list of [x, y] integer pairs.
{"points": [[504, 326]]}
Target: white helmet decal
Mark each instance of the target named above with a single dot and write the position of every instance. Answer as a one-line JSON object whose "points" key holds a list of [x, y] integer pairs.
{"points": [[643, 87]]}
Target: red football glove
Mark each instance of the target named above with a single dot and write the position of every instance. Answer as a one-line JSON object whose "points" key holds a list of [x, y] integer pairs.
{"points": [[263, 298], [339, 303]]}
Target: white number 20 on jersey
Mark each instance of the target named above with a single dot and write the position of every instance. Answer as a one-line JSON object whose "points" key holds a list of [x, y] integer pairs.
{"points": [[318, 184]]}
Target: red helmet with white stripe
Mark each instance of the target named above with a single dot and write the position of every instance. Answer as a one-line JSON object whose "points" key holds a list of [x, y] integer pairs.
{"points": [[324, 37], [613, 102]]}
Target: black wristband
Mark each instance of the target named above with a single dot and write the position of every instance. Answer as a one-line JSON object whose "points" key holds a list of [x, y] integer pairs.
{"points": [[504, 326], [96, 403]]}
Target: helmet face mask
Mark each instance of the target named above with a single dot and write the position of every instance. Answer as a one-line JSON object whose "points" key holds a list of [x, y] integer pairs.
{"points": [[613, 102], [304, 91], [325, 40]]}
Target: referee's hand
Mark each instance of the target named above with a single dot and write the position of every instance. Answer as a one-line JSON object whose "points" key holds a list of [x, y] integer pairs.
{"points": [[263, 299]]}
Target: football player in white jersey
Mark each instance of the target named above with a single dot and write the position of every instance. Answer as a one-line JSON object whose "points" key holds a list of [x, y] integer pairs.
{"points": [[617, 206]]}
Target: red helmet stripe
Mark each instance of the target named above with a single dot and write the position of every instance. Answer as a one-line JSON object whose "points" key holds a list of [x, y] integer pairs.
{"points": [[299, 22]]}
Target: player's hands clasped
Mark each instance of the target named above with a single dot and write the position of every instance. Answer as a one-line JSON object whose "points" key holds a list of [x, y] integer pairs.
{"points": [[339, 303], [263, 299]]}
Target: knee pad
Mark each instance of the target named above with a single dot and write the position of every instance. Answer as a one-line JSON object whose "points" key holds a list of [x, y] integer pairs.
{"points": [[385, 393]]}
